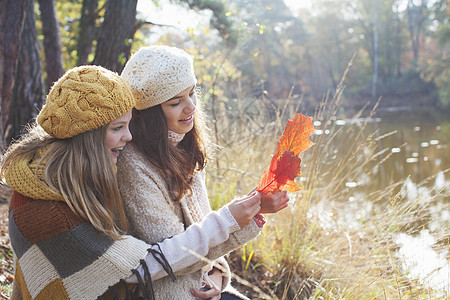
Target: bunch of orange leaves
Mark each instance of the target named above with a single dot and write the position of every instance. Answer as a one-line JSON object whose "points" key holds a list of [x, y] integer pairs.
{"points": [[285, 164]]}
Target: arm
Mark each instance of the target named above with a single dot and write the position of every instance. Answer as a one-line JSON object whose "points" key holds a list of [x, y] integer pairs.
{"points": [[236, 240], [153, 218], [196, 239]]}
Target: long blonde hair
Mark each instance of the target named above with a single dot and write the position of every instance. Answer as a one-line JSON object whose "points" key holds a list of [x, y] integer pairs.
{"points": [[81, 170]]}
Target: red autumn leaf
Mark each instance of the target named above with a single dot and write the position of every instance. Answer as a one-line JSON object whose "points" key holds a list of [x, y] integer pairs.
{"points": [[268, 183], [296, 134], [285, 164], [281, 174]]}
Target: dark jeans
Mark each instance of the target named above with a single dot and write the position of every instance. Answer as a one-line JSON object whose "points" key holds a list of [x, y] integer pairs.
{"points": [[226, 296]]}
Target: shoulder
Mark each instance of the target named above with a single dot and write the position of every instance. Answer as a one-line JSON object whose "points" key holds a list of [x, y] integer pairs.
{"points": [[139, 177], [130, 155], [133, 161], [41, 219]]}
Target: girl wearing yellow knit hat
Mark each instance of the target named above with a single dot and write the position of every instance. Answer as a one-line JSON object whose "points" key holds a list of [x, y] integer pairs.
{"points": [[161, 177], [66, 221]]}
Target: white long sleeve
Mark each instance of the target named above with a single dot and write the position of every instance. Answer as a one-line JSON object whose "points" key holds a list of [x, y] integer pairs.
{"points": [[199, 238]]}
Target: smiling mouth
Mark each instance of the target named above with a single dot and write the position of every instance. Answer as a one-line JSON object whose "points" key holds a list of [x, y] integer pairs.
{"points": [[187, 119], [116, 150]]}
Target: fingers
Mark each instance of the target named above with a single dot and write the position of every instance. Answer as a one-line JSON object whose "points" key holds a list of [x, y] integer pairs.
{"points": [[284, 197], [253, 198], [256, 205], [252, 191], [253, 205], [281, 195], [255, 210], [283, 206], [272, 203], [282, 201], [244, 209], [206, 294], [251, 202]]}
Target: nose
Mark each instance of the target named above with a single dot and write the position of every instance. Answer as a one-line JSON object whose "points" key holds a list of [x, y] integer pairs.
{"points": [[127, 136], [191, 104]]}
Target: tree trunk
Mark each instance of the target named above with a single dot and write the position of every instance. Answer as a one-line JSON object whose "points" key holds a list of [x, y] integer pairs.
{"points": [[375, 53], [416, 19], [28, 93], [52, 42], [398, 41], [116, 34], [12, 17], [87, 30]]}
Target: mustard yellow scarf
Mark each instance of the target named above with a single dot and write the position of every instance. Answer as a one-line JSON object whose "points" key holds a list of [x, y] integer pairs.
{"points": [[26, 176]]}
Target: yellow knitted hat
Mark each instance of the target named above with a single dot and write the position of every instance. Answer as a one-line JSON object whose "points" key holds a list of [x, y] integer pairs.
{"points": [[83, 99]]}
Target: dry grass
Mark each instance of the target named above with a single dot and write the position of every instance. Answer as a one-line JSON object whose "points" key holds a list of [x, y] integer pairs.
{"points": [[323, 246]]}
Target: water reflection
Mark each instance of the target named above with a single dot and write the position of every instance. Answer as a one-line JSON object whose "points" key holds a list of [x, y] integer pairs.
{"points": [[440, 182], [417, 154], [412, 160], [421, 262], [351, 184], [434, 142]]}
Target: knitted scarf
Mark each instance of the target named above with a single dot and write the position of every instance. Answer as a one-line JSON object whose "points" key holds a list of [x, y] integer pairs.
{"points": [[59, 255]]}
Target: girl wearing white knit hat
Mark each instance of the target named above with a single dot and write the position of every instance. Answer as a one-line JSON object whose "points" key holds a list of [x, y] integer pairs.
{"points": [[161, 174]]}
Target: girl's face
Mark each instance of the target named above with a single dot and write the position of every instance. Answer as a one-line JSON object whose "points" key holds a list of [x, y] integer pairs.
{"points": [[179, 111], [118, 135]]}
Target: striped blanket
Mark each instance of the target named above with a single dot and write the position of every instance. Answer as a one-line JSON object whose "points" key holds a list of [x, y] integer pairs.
{"points": [[59, 255]]}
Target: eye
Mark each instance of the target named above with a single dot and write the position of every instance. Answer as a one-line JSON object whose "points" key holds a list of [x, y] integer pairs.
{"points": [[175, 103], [118, 128]]}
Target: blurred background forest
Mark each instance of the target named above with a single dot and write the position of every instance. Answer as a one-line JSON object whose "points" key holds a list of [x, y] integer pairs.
{"points": [[372, 220], [398, 49]]}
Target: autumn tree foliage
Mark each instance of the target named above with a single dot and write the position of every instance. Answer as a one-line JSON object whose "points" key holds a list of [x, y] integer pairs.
{"points": [[277, 52], [97, 32]]}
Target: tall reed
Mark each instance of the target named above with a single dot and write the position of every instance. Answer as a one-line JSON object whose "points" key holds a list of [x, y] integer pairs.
{"points": [[333, 242]]}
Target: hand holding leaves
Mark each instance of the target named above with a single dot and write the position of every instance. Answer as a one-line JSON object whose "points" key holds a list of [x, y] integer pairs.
{"points": [[285, 164]]}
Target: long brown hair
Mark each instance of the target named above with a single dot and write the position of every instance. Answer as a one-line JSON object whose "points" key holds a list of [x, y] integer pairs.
{"points": [[176, 162], [81, 170]]}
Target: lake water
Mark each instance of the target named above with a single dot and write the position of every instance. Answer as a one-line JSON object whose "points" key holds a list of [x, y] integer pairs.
{"points": [[412, 147], [357, 166]]}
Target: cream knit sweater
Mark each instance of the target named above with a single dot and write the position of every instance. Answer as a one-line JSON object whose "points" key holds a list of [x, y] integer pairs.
{"points": [[154, 217]]}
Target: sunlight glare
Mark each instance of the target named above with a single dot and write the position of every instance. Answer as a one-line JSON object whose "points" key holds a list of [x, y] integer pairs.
{"points": [[422, 262]]}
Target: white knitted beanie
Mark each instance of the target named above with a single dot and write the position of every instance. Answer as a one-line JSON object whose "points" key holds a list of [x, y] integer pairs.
{"points": [[158, 73]]}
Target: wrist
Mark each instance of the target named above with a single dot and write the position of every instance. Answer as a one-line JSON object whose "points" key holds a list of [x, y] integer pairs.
{"points": [[260, 220]]}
